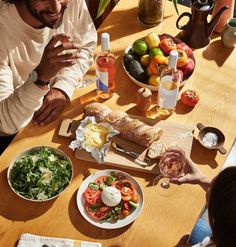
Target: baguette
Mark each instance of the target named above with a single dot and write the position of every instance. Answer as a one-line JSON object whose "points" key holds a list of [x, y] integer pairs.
{"points": [[98, 110], [130, 129]]}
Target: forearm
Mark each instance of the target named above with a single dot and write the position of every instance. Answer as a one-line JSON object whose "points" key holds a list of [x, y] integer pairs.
{"points": [[205, 182], [18, 108], [67, 79]]}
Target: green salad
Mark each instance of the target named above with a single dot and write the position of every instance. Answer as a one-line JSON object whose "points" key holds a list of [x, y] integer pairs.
{"points": [[40, 174]]}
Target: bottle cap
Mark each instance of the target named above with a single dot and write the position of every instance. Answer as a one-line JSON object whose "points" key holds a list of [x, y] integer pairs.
{"points": [[173, 59], [105, 41]]}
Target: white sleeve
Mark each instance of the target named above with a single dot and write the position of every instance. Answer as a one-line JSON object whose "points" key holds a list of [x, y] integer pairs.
{"points": [[206, 241], [67, 79], [17, 106]]}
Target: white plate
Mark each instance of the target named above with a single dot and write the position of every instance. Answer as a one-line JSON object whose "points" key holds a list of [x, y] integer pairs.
{"points": [[25, 152], [154, 88], [108, 225]]}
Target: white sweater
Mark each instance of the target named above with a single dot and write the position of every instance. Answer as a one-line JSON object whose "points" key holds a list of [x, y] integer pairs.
{"points": [[21, 48]]}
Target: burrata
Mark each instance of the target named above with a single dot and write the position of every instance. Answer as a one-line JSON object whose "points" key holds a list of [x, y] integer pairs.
{"points": [[111, 196]]}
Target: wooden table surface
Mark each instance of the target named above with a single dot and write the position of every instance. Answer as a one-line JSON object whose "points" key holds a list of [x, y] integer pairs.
{"points": [[163, 220]]}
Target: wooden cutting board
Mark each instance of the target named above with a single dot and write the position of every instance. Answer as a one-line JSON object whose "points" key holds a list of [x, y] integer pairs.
{"points": [[173, 134]]}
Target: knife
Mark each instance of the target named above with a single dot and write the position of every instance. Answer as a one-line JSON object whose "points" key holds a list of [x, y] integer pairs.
{"points": [[132, 154]]}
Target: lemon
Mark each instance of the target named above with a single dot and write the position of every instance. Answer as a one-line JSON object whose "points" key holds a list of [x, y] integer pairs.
{"points": [[145, 59], [140, 47], [154, 80], [152, 40]]}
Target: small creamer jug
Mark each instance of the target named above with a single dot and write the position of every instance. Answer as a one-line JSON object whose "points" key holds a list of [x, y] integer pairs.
{"points": [[228, 35]]}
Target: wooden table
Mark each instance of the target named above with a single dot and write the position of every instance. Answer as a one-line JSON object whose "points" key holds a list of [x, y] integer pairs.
{"points": [[164, 220]]}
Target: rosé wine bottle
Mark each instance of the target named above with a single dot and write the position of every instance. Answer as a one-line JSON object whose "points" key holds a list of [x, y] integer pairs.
{"points": [[105, 69]]}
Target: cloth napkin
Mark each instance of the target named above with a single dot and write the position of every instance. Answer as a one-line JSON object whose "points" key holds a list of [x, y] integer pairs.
{"points": [[30, 240]]}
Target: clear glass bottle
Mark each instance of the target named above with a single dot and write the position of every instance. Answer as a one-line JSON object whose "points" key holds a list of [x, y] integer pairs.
{"points": [[169, 86], [151, 12], [105, 69]]}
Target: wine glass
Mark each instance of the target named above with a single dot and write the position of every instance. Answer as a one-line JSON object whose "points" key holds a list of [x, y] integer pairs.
{"points": [[75, 37], [171, 165]]}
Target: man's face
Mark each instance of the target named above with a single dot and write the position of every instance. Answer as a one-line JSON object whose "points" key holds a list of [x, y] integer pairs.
{"points": [[48, 12]]}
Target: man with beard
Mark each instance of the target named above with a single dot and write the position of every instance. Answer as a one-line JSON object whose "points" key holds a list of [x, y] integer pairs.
{"points": [[37, 75]]}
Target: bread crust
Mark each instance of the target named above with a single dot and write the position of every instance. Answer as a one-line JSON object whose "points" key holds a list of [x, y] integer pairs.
{"points": [[130, 129]]}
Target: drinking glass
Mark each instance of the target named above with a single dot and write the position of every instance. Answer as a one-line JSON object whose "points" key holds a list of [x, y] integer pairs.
{"points": [[171, 165], [70, 29]]}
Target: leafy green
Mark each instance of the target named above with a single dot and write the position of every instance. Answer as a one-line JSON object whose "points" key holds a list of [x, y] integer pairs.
{"points": [[41, 174], [102, 7], [93, 186]]}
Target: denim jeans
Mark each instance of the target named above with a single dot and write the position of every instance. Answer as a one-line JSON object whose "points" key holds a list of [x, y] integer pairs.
{"points": [[200, 231]]}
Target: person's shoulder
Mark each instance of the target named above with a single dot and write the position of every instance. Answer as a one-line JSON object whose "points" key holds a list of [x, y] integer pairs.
{"points": [[5, 11]]}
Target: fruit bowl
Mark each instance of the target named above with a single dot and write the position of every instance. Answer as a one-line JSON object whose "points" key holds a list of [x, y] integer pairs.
{"points": [[185, 70]]}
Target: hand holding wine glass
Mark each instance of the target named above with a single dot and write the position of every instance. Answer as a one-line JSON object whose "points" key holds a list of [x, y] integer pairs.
{"points": [[192, 175], [171, 165]]}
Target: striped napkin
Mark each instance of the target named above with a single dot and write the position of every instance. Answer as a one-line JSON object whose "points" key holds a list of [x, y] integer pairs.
{"points": [[30, 240]]}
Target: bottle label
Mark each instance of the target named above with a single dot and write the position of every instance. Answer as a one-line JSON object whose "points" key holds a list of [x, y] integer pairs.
{"points": [[167, 93], [102, 81]]}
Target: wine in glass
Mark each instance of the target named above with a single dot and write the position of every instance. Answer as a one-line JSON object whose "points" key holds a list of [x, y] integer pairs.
{"points": [[171, 165], [71, 29]]}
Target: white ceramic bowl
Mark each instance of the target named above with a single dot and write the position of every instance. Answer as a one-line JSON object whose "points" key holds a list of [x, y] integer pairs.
{"points": [[154, 88], [106, 224], [56, 152]]}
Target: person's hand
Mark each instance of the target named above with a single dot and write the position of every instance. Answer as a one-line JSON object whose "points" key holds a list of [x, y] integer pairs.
{"points": [[192, 174], [183, 241], [55, 58], [52, 106]]}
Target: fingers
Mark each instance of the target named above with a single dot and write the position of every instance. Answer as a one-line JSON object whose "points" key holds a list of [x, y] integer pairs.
{"points": [[58, 38], [55, 51], [52, 106], [181, 180], [45, 116]]}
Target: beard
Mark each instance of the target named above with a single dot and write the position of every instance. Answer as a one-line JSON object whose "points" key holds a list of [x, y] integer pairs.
{"points": [[42, 15]]}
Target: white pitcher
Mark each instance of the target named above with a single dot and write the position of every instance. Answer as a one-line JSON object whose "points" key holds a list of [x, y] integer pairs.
{"points": [[228, 35]]}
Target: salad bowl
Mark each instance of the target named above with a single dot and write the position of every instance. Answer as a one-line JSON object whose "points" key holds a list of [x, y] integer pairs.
{"points": [[40, 173]]}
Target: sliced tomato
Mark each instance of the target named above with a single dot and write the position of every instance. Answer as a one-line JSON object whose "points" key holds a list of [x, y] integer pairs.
{"points": [[118, 185], [96, 214], [135, 198], [126, 198], [126, 205], [126, 191], [128, 183], [103, 208], [91, 196], [125, 212], [101, 179]]}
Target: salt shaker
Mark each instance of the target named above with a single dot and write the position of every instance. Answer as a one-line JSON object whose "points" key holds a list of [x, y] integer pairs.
{"points": [[144, 99]]}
